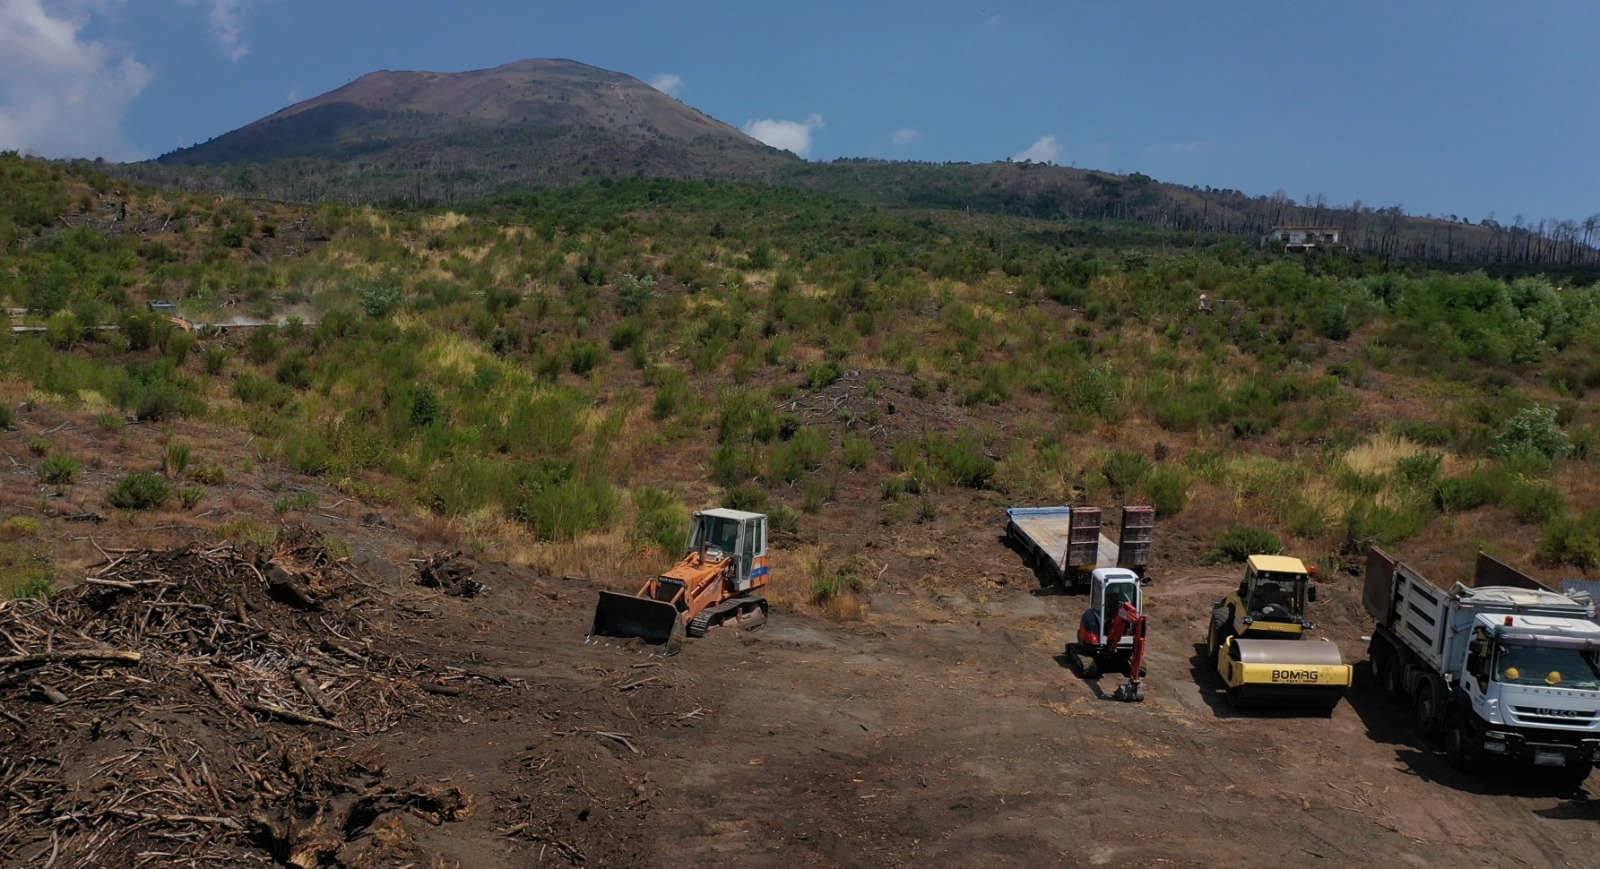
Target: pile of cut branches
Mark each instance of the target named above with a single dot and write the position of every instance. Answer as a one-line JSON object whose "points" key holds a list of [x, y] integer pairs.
{"points": [[206, 706]]}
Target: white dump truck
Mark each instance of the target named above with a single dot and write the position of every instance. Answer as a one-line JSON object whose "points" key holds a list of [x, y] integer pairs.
{"points": [[1507, 668]]}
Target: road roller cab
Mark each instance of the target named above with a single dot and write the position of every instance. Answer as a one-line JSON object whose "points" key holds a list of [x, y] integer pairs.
{"points": [[1255, 639]]}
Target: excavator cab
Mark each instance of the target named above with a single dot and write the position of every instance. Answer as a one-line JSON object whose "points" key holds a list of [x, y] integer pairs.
{"points": [[1111, 632]]}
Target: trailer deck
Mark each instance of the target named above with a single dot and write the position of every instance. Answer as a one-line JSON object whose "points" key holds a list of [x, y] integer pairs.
{"points": [[1069, 548]]}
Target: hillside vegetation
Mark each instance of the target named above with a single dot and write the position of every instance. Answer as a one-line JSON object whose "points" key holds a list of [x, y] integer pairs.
{"points": [[588, 363]]}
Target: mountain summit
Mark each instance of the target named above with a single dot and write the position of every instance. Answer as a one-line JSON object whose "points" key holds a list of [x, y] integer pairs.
{"points": [[544, 121]]}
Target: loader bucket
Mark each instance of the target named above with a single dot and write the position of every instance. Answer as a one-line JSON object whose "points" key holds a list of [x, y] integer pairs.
{"points": [[625, 615]]}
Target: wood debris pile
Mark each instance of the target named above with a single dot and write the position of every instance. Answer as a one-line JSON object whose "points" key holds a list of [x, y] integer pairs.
{"points": [[451, 573], [207, 706]]}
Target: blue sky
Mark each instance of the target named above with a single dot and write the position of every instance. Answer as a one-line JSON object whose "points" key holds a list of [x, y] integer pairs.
{"points": [[1466, 107]]}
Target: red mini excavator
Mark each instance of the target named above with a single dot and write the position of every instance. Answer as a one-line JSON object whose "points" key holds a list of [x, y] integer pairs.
{"points": [[1111, 632]]}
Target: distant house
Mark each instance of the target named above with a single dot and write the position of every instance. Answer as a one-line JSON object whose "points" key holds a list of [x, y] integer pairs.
{"points": [[1301, 238]]}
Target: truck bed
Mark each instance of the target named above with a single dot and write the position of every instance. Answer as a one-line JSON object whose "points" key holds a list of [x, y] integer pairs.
{"points": [[1047, 531]]}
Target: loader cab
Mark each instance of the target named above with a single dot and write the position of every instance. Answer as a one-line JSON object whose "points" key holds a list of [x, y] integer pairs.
{"points": [[733, 534]]}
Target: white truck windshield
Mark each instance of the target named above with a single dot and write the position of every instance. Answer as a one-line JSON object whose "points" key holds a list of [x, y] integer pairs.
{"points": [[1532, 665]]}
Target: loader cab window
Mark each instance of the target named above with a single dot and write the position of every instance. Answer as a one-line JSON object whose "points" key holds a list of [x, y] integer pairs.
{"points": [[717, 533], [753, 546]]}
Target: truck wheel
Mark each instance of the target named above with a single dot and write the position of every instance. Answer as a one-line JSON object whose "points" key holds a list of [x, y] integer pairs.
{"points": [[1376, 656], [1394, 678], [1427, 708], [1459, 747]]}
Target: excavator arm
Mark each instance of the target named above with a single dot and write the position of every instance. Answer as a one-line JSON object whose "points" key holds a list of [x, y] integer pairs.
{"points": [[1129, 622]]}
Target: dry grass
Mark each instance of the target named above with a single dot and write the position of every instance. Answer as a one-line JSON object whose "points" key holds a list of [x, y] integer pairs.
{"points": [[1381, 454], [844, 607], [451, 352], [609, 558]]}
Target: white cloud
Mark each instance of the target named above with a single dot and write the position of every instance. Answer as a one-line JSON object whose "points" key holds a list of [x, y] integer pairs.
{"points": [[906, 137], [225, 21], [293, 96], [667, 83], [789, 135], [1180, 148], [1046, 150], [62, 95]]}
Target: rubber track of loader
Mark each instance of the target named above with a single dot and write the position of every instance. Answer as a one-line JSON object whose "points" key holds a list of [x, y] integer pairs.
{"points": [[712, 615]]}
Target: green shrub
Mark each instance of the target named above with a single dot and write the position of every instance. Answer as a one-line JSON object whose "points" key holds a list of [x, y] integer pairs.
{"points": [[425, 408], [22, 576], [672, 391], [1456, 494], [63, 330], [1367, 520], [298, 502], [626, 334], [1532, 429], [1124, 471], [659, 519], [59, 470], [789, 460], [783, 519], [140, 490], [190, 497], [840, 582], [568, 509], [1168, 490], [815, 494], [1572, 541], [732, 464], [215, 359], [1421, 431], [585, 356], [820, 375], [175, 458], [857, 452], [1420, 470], [960, 462], [1534, 502], [747, 497], [209, 475], [1239, 542]]}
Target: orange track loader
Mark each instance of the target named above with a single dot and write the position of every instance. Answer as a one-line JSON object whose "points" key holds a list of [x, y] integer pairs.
{"points": [[713, 584]]}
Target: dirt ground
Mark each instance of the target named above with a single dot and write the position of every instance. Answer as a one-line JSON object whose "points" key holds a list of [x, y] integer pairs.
{"points": [[942, 729]]}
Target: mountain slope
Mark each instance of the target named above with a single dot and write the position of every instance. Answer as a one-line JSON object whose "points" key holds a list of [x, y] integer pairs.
{"points": [[534, 120]]}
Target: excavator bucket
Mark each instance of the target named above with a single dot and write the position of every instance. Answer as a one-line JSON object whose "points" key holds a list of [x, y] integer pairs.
{"points": [[1293, 673], [624, 615]]}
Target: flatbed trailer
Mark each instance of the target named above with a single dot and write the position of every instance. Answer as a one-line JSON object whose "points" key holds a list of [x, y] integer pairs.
{"points": [[1067, 543]]}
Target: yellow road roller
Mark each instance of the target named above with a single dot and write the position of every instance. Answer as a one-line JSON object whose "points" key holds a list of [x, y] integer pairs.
{"points": [[1256, 640]]}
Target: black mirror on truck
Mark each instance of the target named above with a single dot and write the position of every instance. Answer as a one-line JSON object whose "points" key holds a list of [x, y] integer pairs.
{"points": [[1311, 593]]}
